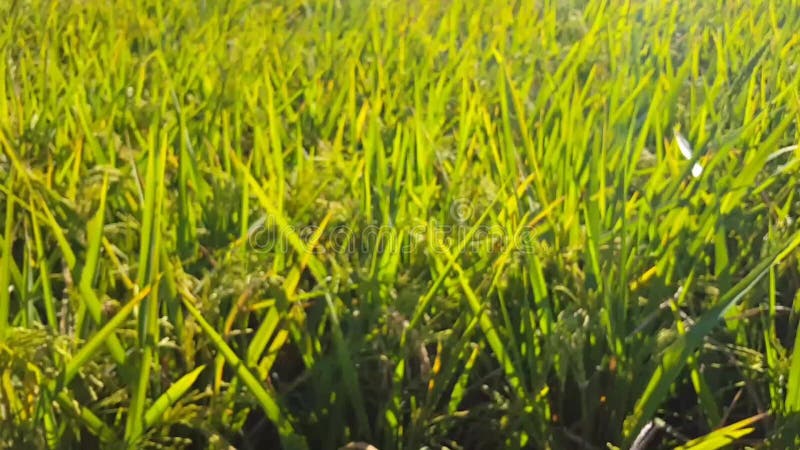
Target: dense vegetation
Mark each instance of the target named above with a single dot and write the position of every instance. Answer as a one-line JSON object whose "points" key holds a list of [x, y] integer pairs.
{"points": [[410, 224]]}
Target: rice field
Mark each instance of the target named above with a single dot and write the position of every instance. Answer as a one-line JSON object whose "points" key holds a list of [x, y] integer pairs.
{"points": [[459, 224]]}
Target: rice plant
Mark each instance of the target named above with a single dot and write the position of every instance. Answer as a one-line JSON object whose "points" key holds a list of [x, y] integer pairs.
{"points": [[468, 224]]}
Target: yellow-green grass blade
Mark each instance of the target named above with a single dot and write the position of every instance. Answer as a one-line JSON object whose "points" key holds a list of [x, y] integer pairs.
{"points": [[5, 262], [44, 274], [791, 401], [94, 231], [489, 328], [723, 437], [265, 399], [99, 428], [177, 390], [148, 328], [92, 346]]}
